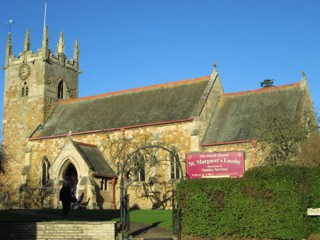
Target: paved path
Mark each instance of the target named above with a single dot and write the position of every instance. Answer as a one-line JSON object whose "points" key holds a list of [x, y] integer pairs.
{"points": [[150, 232]]}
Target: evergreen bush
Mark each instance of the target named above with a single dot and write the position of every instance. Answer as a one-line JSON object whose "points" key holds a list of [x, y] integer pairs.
{"points": [[268, 202]]}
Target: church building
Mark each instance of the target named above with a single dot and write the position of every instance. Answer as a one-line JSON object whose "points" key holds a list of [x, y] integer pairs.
{"points": [[144, 140]]}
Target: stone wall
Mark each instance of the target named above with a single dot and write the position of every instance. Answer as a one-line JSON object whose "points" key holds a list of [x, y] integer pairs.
{"points": [[58, 230], [177, 134]]}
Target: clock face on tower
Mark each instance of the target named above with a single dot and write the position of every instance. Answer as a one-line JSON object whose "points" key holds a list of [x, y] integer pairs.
{"points": [[24, 71]]}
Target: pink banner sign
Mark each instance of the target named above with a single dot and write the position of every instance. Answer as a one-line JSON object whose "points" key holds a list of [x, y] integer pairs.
{"points": [[215, 164]]}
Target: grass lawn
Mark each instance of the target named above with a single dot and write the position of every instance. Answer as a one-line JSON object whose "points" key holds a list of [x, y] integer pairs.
{"points": [[162, 218]]}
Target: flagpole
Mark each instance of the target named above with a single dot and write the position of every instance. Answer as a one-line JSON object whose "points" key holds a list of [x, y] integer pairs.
{"points": [[45, 14]]}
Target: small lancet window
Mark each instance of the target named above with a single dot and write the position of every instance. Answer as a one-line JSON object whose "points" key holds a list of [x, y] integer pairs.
{"points": [[174, 166], [45, 177], [60, 90], [139, 171], [104, 184]]}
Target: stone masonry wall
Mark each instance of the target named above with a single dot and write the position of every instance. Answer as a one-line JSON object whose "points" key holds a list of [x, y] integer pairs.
{"points": [[58, 230], [177, 134]]}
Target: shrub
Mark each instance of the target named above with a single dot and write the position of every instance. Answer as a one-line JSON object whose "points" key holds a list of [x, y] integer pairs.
{"points": [[268, 202]]}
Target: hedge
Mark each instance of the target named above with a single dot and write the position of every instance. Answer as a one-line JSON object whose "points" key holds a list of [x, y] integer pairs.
{"points": [[268, 202]]}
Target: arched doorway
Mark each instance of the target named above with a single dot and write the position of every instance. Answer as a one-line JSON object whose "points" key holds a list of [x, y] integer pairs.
{"points": [[70, 174]]}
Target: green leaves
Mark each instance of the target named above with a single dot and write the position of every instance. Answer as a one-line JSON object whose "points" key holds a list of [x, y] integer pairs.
{"points": [[268, 202]]}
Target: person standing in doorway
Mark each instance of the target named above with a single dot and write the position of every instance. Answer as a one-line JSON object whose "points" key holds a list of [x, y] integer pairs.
{"points": [[65, 198]]}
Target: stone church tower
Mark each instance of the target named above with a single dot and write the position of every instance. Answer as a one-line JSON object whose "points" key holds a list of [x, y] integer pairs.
{"points": [[34, 82]]}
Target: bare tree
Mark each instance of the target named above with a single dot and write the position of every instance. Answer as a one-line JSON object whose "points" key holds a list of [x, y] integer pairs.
{"points": [[280, 136], [8, 192], [146, 159], [159, 192], [38, 196], [309, 154], [2, 159]]}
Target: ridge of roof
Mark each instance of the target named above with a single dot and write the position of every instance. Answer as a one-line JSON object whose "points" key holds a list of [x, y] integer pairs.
{"points": [[297, 84], [138, 89]]}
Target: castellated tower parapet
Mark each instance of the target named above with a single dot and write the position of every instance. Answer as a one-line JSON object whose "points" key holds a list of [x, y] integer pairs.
{"points": [[44, 53], [42, 77], [34, 82]]}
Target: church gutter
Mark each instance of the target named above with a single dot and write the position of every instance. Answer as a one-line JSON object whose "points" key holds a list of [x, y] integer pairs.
{"points": [[111, 129], [225, 143]]}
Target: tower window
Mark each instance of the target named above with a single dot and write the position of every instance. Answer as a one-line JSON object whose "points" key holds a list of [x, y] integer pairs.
{"points": [[25, 90], [60, 90]]}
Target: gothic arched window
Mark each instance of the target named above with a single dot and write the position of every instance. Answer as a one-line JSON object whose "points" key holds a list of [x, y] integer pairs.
{"points": [[174, 165], [60, 90], [139, 168], [45, 167]]}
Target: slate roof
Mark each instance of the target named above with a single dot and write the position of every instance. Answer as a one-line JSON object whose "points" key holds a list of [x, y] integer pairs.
{"points": [[235, 112], [160, 103], [95, 159]]}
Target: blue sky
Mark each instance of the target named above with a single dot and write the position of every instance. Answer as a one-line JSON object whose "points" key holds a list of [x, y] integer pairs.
{"points": [[132, 43]]}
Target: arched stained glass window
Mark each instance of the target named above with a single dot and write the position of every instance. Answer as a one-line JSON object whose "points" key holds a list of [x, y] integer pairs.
{"points": [[45, 176]]}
